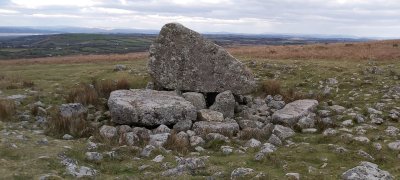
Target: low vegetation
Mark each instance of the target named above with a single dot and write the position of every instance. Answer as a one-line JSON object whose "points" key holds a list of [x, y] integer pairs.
{"points": [[87, 79], [7, 109]]}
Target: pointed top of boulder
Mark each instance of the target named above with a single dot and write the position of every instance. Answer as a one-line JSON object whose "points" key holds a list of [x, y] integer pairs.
{"points": [[182, 59]]}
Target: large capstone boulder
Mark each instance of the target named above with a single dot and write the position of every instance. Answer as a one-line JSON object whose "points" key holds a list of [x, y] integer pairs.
{"points": [[144, 107], [182, 59], [366, 171], [293, 111]]}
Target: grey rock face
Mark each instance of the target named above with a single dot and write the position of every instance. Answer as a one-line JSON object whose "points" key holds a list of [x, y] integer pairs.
{"points": [[72, 110], [366, 171], [108, 131], [283, 132], [197, 99], [210, 115], [244, 124], [293, 111], [225, 103], [205, 127], [182, 59], [149, 107], [158, 140], [93, 156], [183, 125]]}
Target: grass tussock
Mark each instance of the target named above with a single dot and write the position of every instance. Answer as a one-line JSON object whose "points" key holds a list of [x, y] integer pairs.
{"points": [[249, 133], [84, 94], [177, 144], [76, 126], [7, 109], [271, 87]]}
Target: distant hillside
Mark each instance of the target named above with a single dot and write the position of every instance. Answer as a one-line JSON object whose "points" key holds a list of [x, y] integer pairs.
{"points": [[15, 47]]}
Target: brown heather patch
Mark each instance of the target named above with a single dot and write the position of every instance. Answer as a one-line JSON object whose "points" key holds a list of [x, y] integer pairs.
{"points": [[76, 126], [176, 144], [7, 109], [78, 59], [82, 94], [271, 87], [372, 50]]}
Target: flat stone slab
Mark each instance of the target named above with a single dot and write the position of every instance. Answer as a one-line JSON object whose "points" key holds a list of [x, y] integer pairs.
{"points": [[206, 127], [144, 107], [182, 59], [293, 111]]}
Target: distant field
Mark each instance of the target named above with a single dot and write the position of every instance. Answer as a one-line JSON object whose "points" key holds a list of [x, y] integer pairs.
{"points": [[374, 50], [85, 44]]}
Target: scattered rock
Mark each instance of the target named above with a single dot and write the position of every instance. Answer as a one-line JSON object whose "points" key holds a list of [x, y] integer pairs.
{"points": [[120, 67], [337, 109], [183, 125], [241, 173], [149, 108], [210, 115], [205, 127], [329, 132], [67, 137], [293, 176], [161, 129], [147, 150], [158, 140], [72, 110], [293, 111], [197, 99], [283, 132], [395, 146], [273, 139], [108, 132], [366, 171], [226, 150], [158, 158], [253, 143], [392, 131], [94, 156], [216, 137], [225, 103], [182, 59], [245, 124], [196, 141]]}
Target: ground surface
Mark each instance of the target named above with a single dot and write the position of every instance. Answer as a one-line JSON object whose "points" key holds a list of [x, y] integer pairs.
{"points": [[23, 156]]}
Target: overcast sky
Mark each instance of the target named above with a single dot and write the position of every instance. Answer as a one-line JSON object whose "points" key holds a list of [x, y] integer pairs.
{"points": [[373, 18]]}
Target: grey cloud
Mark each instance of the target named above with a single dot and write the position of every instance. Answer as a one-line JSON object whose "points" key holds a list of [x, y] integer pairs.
{"points": [[355, 17]]}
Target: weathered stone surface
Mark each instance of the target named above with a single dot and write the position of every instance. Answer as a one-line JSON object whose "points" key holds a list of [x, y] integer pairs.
{"points": [[72, 110], [149, 107], [366, 171], [183, 125], [182, 59], [293, 111], [283, 132], [225, 103], [395, 146], [197, 99], [210, 115], [205, 127], [108, 132]]}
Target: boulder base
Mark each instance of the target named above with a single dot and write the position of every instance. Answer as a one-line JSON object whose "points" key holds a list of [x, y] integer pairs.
{"points": [[149, 107]]}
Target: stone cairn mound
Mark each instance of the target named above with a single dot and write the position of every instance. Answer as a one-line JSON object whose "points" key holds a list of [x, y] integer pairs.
{"points": [[199, 93]]}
